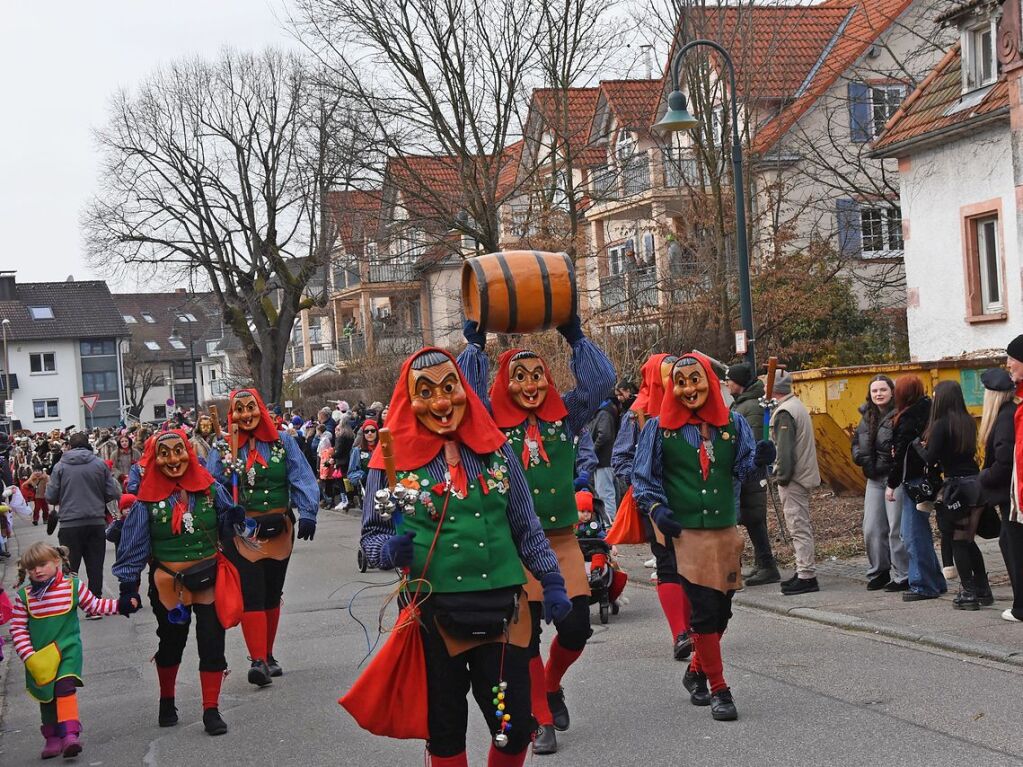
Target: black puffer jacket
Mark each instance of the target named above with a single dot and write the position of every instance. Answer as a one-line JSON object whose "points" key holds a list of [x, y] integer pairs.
{"points": [[910, 426], [874, 455], [996, 476]]}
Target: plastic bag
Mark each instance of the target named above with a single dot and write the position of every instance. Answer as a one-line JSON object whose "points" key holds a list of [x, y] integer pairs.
{"points": [[628, 525]]}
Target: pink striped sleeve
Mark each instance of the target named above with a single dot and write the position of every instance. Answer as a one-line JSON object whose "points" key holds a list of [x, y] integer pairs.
{"points": [[19, 630], [93, 606]]}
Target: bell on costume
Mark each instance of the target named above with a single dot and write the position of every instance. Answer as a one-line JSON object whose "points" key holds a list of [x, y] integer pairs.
{"points": [[180, 615]]}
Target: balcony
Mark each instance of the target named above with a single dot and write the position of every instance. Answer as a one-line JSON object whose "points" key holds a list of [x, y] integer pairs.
{"points": [[351, 347], [636, 175], [630, 291], [680, 170], [346, 275], [392, 272], [603, 183]]}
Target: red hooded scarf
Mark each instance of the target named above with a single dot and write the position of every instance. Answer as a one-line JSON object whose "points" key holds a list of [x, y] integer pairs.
{"points": [[651, 391], [157, 486], [266, 430], [414, 444], [675, 415]]}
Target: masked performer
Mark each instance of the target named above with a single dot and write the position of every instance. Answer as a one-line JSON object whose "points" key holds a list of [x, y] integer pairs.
{"points": [[656, 373], [174, 525], [466, 501], [541, 427], [204, 437], [272, 475], [683, 474]]}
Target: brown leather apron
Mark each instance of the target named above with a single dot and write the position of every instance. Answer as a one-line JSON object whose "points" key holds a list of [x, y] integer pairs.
{"points": [[519, 633], [711, 558], [570, 562], [279, 547], [171, 591]]}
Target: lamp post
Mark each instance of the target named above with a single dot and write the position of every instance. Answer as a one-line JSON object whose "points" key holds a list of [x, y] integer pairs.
{"points": [[7, 372], [176, 334], [677, 118]]}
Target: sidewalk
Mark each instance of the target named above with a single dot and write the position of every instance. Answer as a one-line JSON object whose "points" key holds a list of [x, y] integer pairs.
{"points": [[844, 602]]}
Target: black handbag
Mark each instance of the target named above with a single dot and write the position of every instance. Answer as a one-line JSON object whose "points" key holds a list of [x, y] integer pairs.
{"points": [[925, 488], [270, 526], [198, 577], [960, 495], [990, 525], [476, 614]]}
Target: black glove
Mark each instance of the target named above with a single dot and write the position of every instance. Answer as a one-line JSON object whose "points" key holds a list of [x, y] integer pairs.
{"points": [[765, 454], [124, 602], [51, 523], [113, 533], [473, 335], [306, 529], [233, 516], [397, 551], [572, 330], [661, 516], [130, 588]]}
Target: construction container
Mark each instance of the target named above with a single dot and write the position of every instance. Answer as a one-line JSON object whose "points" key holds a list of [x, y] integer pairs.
{"points": [[834, 395]]}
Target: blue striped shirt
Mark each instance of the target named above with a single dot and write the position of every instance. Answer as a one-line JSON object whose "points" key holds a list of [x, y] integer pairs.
{"points": [[134, 550], [534, 549], [624, 451], [648, 468], [585, 455], [305, 492]]}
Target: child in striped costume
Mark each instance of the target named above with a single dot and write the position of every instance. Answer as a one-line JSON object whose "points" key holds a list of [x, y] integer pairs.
{"points": [[45, 634]]}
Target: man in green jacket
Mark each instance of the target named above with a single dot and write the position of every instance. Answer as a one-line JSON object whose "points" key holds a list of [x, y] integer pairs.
{"points": [[751, 497]]}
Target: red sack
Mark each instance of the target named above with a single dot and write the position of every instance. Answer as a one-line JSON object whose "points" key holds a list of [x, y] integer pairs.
{"points": [[5, 607], [227, 595], [389, 695], [627, 527]]}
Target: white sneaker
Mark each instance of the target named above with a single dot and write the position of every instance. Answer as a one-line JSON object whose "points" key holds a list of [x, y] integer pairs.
{"points": [[341, 506], [1008, 616], [653, 576], [652, 562], [949, 573]]}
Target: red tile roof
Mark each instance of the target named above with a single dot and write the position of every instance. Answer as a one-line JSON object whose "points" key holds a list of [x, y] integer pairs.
{"points": [[508, 174], [866, 22], [632, 101], [355, 213], [925, 110], [568, 112], [430, 185]]}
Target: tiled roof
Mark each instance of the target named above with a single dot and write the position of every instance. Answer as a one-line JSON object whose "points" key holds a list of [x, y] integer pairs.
{"points": [[80, 310], [508, 175], [355, 213], [165, 308], [570, 110], [925, 111], [430, 185], [632, 101], [955, 7], [863, 23]]}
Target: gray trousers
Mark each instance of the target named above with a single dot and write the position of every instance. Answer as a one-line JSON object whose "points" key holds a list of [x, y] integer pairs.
{"points": [[882, 526], [795, 504]]}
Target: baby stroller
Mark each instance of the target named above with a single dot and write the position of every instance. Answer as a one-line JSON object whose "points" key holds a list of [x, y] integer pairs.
{"points": [[597, 553]]}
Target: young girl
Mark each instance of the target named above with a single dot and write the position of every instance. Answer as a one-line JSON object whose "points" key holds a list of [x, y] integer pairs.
{"points": [[45, 633]]}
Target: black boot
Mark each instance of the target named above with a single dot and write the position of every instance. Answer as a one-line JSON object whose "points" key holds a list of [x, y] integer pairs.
{"points": [[546, 740], [213, 722], [696, 684], [559, 711], [722, 707], [274, 666], [683, 646], [168, 712], [767, 573], [259, 673], [966, 599], [984, 595]]}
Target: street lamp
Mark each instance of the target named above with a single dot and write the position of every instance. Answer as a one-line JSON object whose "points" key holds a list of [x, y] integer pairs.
{"points": [[7, 371], [176, 336], [678, 118]]}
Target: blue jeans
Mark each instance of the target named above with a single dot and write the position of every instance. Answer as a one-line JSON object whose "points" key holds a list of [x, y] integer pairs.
{"points": [[924, 569]]}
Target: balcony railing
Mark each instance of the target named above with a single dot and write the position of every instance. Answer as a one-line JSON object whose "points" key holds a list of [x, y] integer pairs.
{"points": [[629, 291], [603, 181], [636, 175], [392, 272], [680, 170], [351, 346]]}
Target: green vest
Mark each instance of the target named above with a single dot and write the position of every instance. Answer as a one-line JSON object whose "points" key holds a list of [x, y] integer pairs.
{"points": [[271, 489], [475, 550], [695, 502], [198, 538], [63, 630], [552, 484]]}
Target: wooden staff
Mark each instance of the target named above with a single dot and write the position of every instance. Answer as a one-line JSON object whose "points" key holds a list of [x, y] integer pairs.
{"points": [[387, 451], [772, 367], [215, 416], [234, 461]]}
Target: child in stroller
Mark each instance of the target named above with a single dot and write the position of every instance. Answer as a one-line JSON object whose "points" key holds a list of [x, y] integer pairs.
{"points": [[607, 580]]}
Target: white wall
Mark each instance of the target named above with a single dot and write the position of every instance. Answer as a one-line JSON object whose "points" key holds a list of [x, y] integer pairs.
{"points": [[935, 187], [64, 385]]}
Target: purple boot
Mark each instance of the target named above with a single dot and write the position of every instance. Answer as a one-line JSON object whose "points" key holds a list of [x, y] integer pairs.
{"points": [[53, 745], [70, 744]]}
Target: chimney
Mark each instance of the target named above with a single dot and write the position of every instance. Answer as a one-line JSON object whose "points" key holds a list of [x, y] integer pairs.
{"points": [[8, 287]]}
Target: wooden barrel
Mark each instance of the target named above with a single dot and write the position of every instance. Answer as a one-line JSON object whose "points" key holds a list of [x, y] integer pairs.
{"points": [[519, 291]]}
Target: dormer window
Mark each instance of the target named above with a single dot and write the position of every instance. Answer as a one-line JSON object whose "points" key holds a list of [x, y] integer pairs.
{"points": [[979, 65], [625, 147]]}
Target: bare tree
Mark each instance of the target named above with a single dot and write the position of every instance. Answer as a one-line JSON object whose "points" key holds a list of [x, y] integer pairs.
{"points": [[215, 172], [142, 373]]}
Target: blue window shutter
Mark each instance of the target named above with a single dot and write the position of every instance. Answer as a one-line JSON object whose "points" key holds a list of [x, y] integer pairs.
{"points": [[860, 128], [850, 235]]}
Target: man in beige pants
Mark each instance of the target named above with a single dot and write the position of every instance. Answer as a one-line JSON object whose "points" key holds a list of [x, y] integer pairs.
{"points": [[797, 475]]}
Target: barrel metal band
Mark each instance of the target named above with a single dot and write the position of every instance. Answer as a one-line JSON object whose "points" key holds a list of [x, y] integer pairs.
{"points": [[481, 284], [509, 281], [548, 299], [571, 281]]}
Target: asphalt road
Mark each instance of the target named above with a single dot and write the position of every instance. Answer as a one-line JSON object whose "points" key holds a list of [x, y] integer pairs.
{"points": [[807, 694]]}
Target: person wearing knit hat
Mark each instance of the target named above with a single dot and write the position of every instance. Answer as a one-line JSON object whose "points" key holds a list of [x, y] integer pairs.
{"points": [[542, 426], [797, 475], [1014, 363]]}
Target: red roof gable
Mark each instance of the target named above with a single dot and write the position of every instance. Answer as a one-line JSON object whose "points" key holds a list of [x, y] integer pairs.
{"points": [[632, 101], [508, 175], [430, 185], [354, 213]]}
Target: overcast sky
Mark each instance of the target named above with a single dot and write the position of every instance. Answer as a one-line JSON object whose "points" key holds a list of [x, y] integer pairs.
{"points": [[61, 60]]}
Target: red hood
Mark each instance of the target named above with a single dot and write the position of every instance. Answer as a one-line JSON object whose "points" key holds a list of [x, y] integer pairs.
{"points": [[675, 415], [507, 414], [156, 485], [266, 431], [651, 391]]}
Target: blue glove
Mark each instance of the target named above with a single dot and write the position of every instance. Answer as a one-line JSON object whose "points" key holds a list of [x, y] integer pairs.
{"points": [[233, 516], [124, 602], [306, 529], [661, 516], [582, 482], [472, 333], [397, 551], [765, 454], [572, 330], [556, 604]]}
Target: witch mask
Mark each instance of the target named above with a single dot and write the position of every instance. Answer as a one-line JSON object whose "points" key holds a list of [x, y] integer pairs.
{"points": [[689, 383], [437, 395], [171, 455], [527, 381], [245, 411]]}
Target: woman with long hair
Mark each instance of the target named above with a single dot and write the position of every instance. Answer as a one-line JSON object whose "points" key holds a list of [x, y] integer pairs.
{"points": [[997, 433], [951, 439], [882, 519], [912, 407]]}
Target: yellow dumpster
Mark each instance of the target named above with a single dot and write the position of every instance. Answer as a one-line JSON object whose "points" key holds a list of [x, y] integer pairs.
{"points": [[834, 395]]}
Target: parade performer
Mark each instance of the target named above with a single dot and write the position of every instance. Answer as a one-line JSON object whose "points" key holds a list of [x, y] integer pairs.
{"points": [[46, 635], [656, 375], [204, 437], [174, 526], [358, 463], [686, 461], [541, 426], [466, 527], [271, 475]]}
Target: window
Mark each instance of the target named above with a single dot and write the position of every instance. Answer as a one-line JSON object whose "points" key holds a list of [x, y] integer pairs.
{"points": [[175, 342], [314, 332], [648, 248], [42, 362], [45, 409], [979, 65], [181, 370], [148, 318], [187, 318], [159, 412], [625, 147], [41, 312], [987, 283], [881, 230], [153, 346], [884, 102], [616, 259], [130, 319], [99, 383], [98, 348]]}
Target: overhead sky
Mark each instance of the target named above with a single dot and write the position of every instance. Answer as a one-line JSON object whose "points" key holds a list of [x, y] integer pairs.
{"points": [[61, 60]]}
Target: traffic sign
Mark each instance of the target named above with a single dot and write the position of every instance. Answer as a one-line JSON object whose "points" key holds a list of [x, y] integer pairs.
{"points": [[9, 408], [170, 403], [90, 400]]}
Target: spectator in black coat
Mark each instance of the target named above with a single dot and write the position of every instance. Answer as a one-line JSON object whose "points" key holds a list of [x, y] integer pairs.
{"points": [[604, 430]]}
